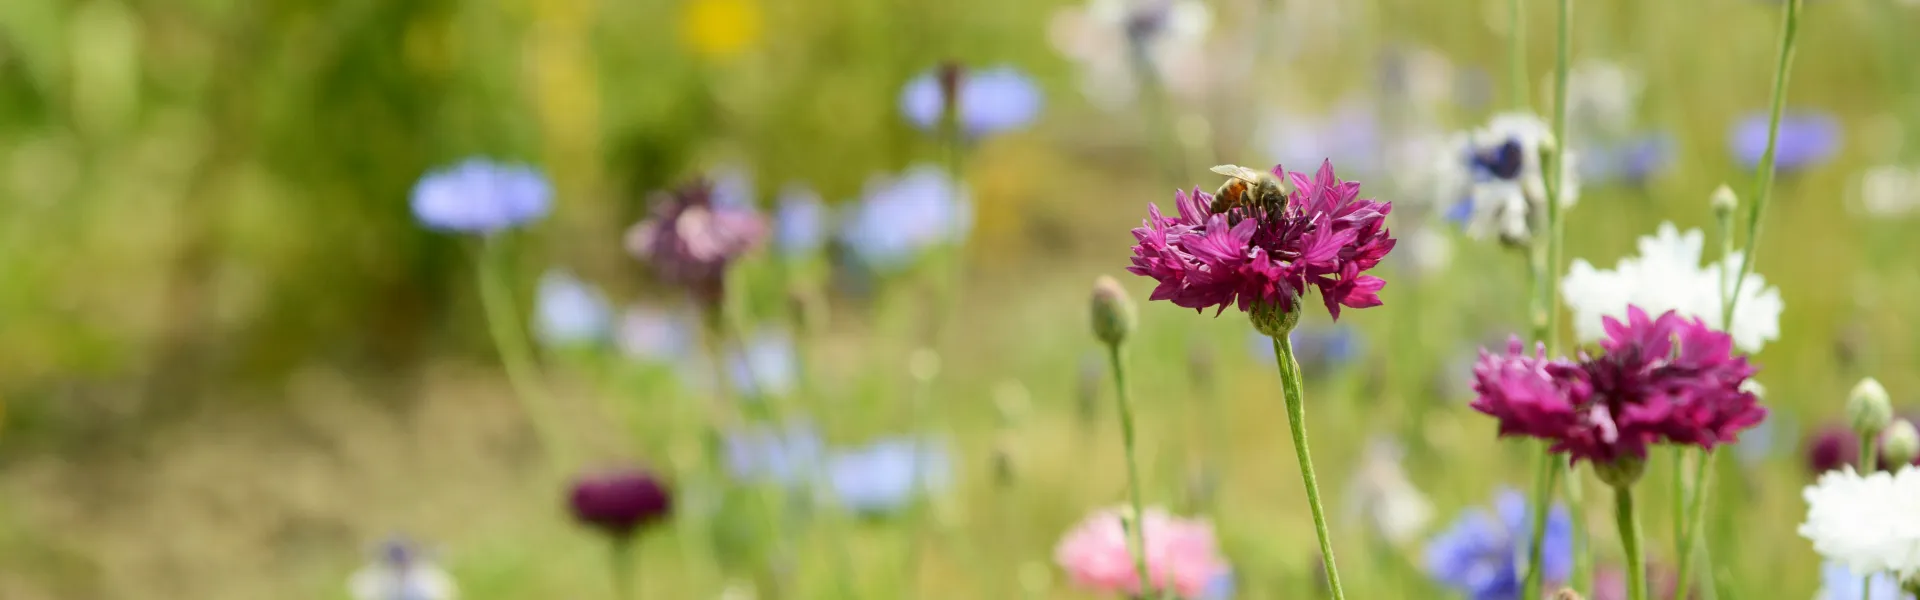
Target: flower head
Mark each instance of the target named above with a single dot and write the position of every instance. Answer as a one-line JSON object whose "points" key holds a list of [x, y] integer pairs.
{"points": [[1509, 191], [1181, 554], [399, 571], [1102, 37], [1806, 139], [619, 502], [653, 335], [898, 218], [888, 474], [568, 311], [1832, 448], [1481, 554], [799, 222], [1667, 275], [690, 241], [1665, 380], [1393, 508], [1602, 96], [1632, 161], [767, 365], [1261, 259], [481, 196], [991, 100], [784, 456], [1871, 524]]}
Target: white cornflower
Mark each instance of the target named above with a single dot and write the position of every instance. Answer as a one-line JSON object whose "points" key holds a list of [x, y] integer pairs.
{"points": [[1509, 191], [1385, 498], [1887, 191], [1667, 275], [400, 572], [1871, 524], [1101, 35]]}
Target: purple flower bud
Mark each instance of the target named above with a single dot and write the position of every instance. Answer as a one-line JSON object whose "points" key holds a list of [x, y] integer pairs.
{"points": [[1833, 447], [620, 501]]}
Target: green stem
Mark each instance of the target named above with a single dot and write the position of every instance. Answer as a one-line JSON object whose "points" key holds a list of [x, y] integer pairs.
{"points": [[1629, 524], [1136, 530], [1582, 559], [1556, 221], [1542, 500], [516, 358], [1690, 537], [1868, 464], [917, 506], [1517, 54], [1294, 386], [1677, 494], [622, 555], [1763, 180]]}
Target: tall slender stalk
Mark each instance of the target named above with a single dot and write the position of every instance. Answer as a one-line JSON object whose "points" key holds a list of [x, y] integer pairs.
{"points": [[516, 357], [1541, 503], [1763, 191], [1548, 325], [1294, 386], [622, 565], [1136, 529], [1629, 524]]}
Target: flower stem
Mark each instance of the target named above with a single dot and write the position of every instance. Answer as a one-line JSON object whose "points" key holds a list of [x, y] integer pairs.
{"points": [[1868, 464], [1582, 559], [1554, 177], [1136, 530], [1292, 384], [516, 358], [1629, 524], [1549, 469], [1763, 179], [622, 554], [1690, 534]]}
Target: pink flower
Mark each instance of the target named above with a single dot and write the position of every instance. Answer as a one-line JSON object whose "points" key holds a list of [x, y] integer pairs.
{"points": [[1247, 256], [1181, 554], [690, 241], [1668, 380]]}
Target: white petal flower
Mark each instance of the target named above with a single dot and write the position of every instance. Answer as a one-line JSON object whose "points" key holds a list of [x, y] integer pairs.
{"points": [[401, 577], [1381, 494], [1509, 193], [1871, 524], [1887, 191], [1096, 36], [1667, 275], [1602, 96]]}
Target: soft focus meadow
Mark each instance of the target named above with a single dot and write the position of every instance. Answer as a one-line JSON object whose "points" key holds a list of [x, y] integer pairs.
{"points": [[854, 299]]}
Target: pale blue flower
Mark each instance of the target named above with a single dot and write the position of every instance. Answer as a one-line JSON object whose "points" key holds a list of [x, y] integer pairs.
{"points": [[1837, 582], [767, 365], [481, 196], [880, 478], [732, 187], [786, 456], [1482, 554], [899, 218], [799, 222], [1807, 139], [568, 311], [992, 100], [654, 335], [1349, 136], [1632, 161]]}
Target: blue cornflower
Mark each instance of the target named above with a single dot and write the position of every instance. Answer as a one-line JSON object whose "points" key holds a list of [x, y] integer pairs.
{"points": [[1632, 161], [785, 456], [568, 311], [767, 365], [1223, 587], [1806, 140], [1350, 136], [654, 335], [992, 100], [898, 218], [1482, 554], [880, 478], [732, 187], [799, 222], [1317, 347], [1837, 582], [481, 196]]}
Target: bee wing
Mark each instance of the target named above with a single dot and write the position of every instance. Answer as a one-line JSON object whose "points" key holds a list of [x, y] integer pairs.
{"points": [[1238, 172]]}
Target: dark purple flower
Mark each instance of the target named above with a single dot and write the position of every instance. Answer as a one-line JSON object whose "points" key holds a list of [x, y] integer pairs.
{"points": [[690, 241], [1831, 448], [1667, 380], [1806, 139], [1254, 258], [620, 501]]}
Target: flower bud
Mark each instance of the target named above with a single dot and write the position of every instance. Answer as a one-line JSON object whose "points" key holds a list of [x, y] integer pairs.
{"points": [[1113, 312], [1273, 321], [1868, 409], [1900, 444], [621, 501], [1723, 201], [1622, 473]]}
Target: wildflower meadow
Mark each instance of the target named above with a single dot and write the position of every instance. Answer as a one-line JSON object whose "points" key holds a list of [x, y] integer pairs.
{"points": [[848, 300]]}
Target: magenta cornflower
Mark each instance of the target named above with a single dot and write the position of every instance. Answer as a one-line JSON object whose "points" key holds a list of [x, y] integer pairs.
{"points": [[689, 241], [1666, 380], [1236, 250]]}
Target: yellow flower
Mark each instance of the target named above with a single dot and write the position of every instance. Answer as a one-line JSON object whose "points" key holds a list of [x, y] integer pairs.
{"points": [[720, 29]]}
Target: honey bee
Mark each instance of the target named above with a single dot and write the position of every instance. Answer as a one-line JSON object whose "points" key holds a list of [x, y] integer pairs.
{"points": [[1251, 189]]}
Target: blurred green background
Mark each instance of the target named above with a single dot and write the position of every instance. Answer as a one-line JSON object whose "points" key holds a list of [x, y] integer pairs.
{"points": [[230, 359]]}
